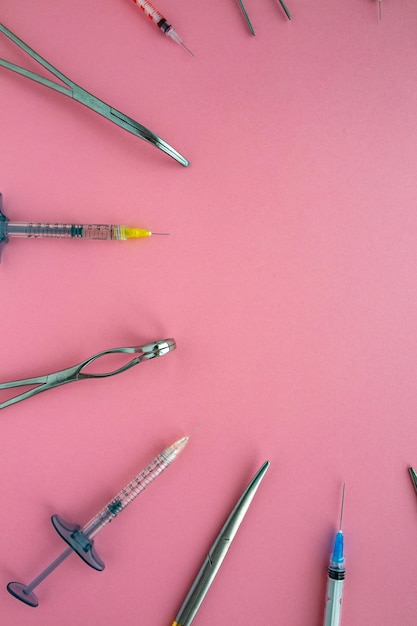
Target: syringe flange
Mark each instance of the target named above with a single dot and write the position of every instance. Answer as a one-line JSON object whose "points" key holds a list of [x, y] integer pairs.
{"points": [[3, 221], [73, 535], [77, 541]]}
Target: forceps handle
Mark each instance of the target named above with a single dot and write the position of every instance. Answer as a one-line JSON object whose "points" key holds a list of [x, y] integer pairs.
{"points": [[40, 381], [73, 373], [37, 58], [39, 79], [62, 377], [25, 381], [78, 374]]}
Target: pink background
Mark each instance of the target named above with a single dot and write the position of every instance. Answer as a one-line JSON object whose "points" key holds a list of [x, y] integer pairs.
{"points": [[288, 281]]}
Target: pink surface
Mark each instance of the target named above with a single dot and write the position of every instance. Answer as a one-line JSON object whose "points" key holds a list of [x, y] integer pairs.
{"points": [[288, 281]]}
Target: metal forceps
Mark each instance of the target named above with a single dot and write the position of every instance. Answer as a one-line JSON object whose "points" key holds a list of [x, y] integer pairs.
{"points": [[71, 374], [80, 95]]}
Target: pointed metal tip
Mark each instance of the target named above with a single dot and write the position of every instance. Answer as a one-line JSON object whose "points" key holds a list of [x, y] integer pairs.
{"points": [[413, 476], [342, 507], [162, 234], [287, 13], [249, 23], [261, 472], [195, 430], [188, 49]]}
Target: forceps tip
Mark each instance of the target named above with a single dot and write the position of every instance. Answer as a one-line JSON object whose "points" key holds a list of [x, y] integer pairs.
{"points": [[413, 476]]}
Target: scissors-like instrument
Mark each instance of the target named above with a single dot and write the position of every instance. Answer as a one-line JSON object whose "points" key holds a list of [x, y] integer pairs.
{"points": [[81, 95], [71, 374]]}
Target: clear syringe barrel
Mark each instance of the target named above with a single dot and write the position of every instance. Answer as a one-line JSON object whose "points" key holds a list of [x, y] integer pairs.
{"points": [[65, 231], [150, 11], [134, 488], [334, 596]]}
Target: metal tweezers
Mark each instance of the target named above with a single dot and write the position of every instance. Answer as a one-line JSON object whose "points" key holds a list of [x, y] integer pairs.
{"points": [[80, 95], [71, 374]]}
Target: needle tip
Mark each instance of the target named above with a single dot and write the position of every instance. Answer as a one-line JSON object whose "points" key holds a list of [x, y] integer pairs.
{"points": [[341, 508], [188, 49], [194, 430]]}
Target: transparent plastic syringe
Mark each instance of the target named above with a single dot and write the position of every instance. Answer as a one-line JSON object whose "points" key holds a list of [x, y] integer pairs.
{"points": [[157, 18], [80, 540], [134, 488], [56, 230], [75, 231], [336, 576]]}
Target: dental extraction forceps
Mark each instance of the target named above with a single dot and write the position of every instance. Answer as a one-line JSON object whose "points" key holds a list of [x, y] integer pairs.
{"points": [[71, 374], [80, 95]]}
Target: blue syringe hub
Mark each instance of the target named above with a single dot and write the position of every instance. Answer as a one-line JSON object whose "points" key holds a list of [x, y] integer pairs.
{"points": [[338, 556]]}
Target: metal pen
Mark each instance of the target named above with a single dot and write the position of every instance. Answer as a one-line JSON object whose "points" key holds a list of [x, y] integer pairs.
{"points": [[217, 553]]}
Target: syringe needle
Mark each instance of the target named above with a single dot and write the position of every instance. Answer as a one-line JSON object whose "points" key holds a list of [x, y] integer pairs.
{"points": [[170, 32], [188, 49], [341, 508], [195, 430], [159, 20], [80, 539], [380, 9]]}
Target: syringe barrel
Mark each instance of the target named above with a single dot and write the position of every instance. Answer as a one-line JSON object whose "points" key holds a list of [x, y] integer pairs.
{"points": [[134, 488], [64, 231], [334, 598], [149, 10]]}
